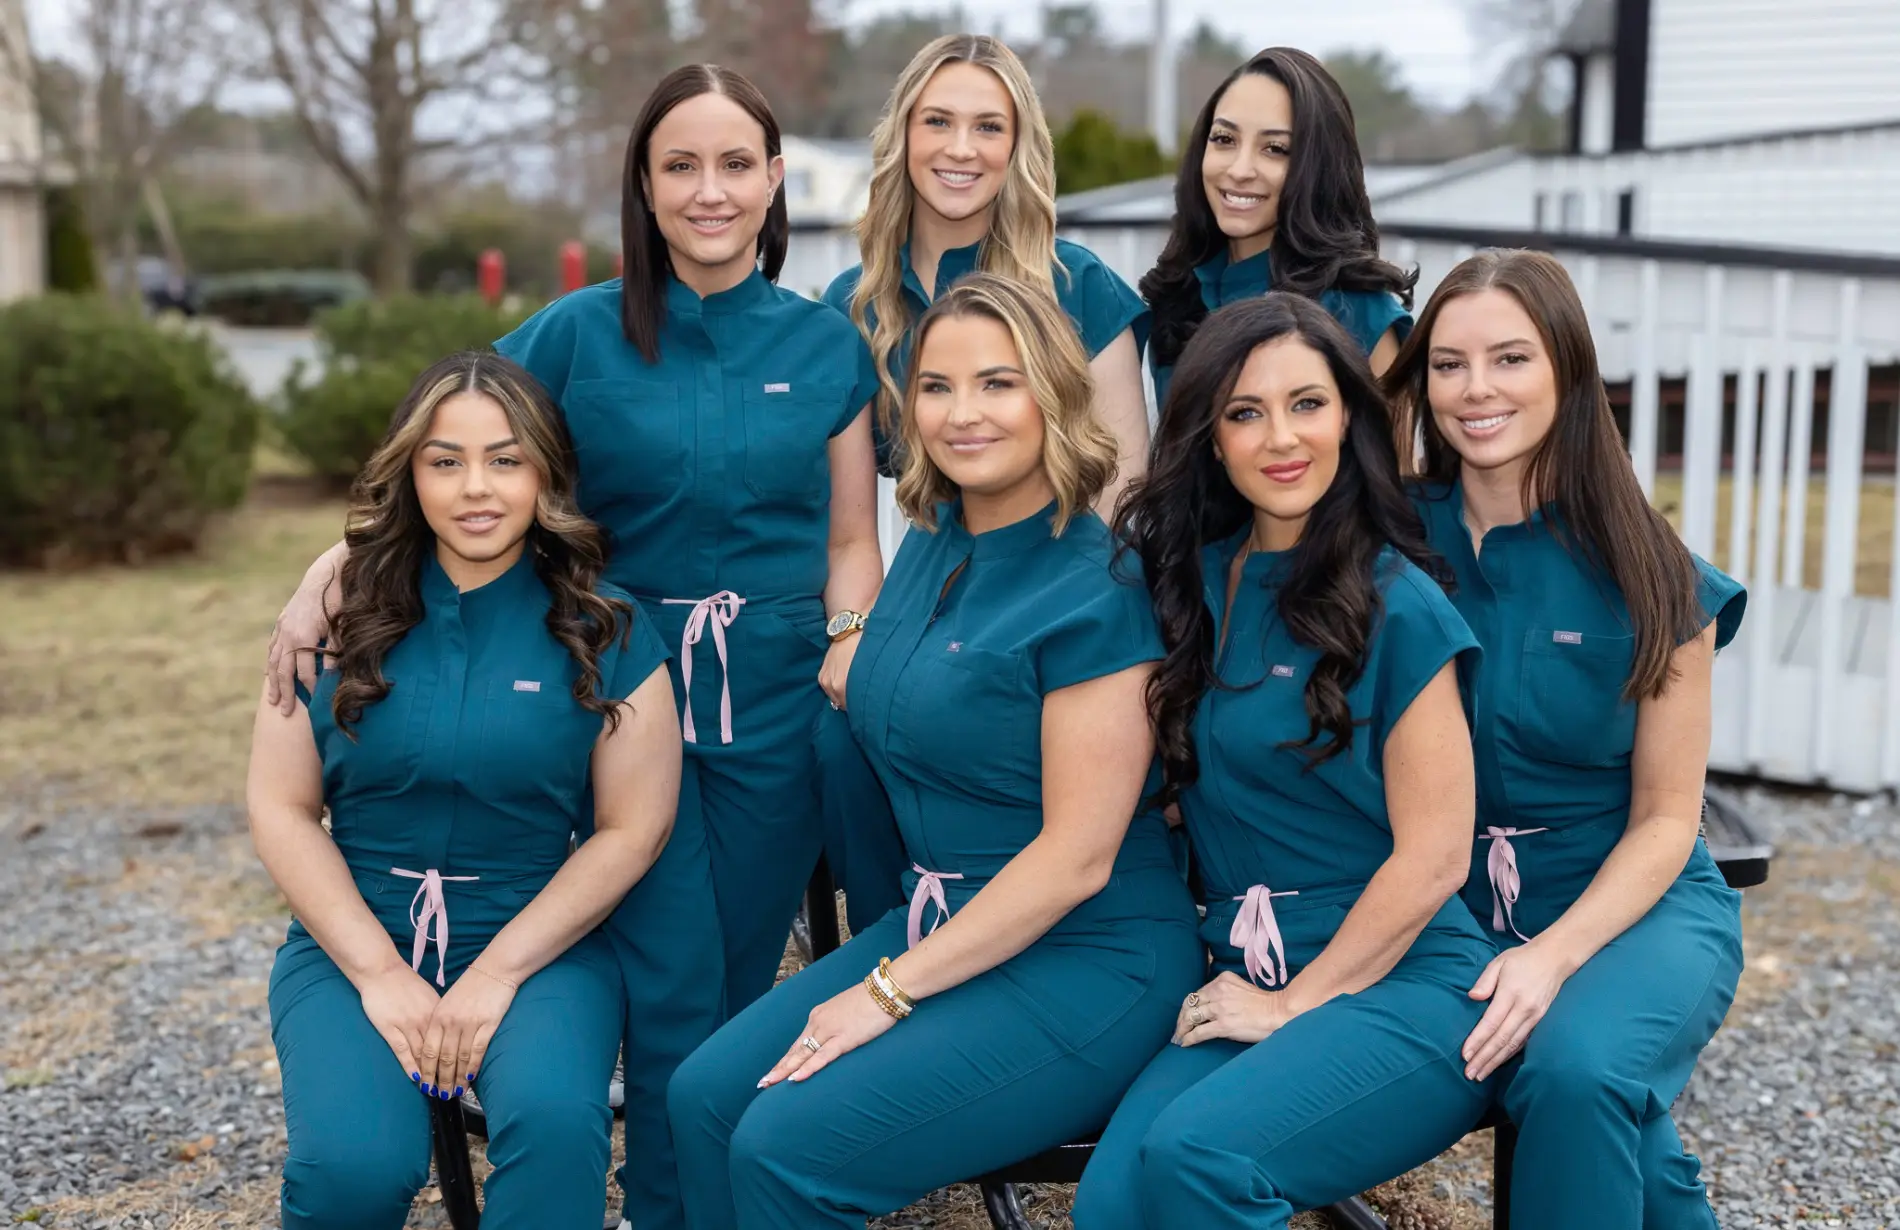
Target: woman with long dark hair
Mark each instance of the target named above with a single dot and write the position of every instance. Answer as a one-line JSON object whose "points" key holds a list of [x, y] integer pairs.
{"points": [[485, 695], [1620, 943], [998, 693], [1310, 725], [1272, 196], [725, 444]]}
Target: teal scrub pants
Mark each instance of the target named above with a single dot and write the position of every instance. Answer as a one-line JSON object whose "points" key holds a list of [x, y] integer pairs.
{"points": [[1346, 1096], [359, 1128], [1591, 1092], [862, 845], [672, 962], [1019, 1059], [758, 794]]}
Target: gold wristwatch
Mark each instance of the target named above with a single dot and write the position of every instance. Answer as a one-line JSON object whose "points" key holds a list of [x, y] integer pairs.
{"points": [[844, 624]]}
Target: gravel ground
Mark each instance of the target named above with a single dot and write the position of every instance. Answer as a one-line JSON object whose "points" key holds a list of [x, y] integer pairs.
{"points": [[138, 1088]]}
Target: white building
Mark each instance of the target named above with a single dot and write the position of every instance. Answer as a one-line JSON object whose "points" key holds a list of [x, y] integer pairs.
{"points": [[826, 181], [22, 209]]}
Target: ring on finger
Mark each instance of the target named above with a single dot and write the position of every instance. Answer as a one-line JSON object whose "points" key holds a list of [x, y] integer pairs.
{"points": [[1193, 999], [811, 1044], [1197, 1015]]}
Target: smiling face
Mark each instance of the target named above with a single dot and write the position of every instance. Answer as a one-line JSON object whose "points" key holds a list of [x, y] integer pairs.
{"points": [[1244, 165], [1279, 436], [476, 487], [709, 183], [961, 134], [979, 421], [1492, 384]]}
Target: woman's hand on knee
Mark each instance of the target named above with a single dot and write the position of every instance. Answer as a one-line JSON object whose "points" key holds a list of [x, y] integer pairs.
{"points": [[1230, 1007], [842, 1023], [1521, 984], [400, 1004], [465, 1019]]}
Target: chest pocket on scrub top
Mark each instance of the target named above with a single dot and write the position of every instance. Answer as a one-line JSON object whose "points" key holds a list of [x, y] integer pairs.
{"points": [[786, 440], [630, 436], [1570, 706], [971, 715], [534, 744]]}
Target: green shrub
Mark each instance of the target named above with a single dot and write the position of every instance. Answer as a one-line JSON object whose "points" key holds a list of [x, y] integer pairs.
{"points": [[1091, 152], [280, 298], [369, 354], [118, 438]]}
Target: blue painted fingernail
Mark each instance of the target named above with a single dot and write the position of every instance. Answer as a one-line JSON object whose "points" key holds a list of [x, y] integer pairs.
{"points": [[471, 1076], [429, 1089], [458, 1091], [416, 1077], [445, 1094]]}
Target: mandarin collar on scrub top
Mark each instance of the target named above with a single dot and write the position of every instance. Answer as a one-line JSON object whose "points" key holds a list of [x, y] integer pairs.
{"points": [[1226, 281], [953, 264], [683, 302], [439, 592], [1011, 539]]}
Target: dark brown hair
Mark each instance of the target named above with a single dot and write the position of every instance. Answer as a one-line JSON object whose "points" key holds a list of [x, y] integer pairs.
{"points": [[1324, 238], [1580, 474], [1328, 596], [643, 281], [389, 540]]}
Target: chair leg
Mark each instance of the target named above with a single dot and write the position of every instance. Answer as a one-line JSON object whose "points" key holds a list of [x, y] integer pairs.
{"points": [[1354, 1214], [1503, 1154], [1005, 1210], [453, 1173]]}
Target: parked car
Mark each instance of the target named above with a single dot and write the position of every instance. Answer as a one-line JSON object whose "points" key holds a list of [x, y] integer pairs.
{"points": [[160, 289]]}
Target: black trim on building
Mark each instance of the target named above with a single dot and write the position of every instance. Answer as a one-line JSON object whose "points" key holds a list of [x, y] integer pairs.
{"points": [[1575, 135], [1631, 101]]}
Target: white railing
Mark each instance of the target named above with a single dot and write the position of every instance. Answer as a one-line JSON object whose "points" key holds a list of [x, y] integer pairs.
{"points": [[1810, 691]]}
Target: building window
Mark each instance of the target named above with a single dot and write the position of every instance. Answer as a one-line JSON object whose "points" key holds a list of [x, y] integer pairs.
{"points": [[1626, 212], [798, 185], [1571, 222]]}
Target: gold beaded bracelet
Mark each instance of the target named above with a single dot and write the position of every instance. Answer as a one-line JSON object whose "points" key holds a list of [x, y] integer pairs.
{"points": [[891, 1007]]}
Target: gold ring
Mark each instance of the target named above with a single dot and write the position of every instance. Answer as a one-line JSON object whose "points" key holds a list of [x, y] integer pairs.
{"points": [[1197, 1016], [812, 1044], [1194, 997]]}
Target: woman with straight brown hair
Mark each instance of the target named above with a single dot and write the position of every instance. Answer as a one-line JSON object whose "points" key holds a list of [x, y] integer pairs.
{"points": [[1619, 943], [725, 446]]}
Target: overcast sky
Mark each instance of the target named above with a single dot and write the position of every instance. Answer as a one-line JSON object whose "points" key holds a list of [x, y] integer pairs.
{"points": [[1429, 38]]}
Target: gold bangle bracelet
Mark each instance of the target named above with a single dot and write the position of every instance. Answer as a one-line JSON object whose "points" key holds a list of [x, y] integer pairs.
{"points": [[890, 984], [889, 1005], [496, 977]]}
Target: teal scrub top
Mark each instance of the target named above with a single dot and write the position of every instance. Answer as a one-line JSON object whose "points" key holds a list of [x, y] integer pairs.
{"points": [[946, 690], [1552, 733], [1258, 814], [1367, 315], [1094, 296], [708, 468], [477, 763]]}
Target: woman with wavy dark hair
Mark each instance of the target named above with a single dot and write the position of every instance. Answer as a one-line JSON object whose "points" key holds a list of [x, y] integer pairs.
{"points": [[1272, 196], [1309, 723], [1621, 944], [482, 688], [725, 445]]}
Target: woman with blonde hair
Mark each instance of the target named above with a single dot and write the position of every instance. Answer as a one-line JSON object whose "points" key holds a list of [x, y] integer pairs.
{"points": [[963, 178], [999, 693], [485, 695]]}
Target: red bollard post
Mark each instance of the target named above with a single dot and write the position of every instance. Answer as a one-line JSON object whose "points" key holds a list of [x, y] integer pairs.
{"points": [[573, 265], [491, 274]]}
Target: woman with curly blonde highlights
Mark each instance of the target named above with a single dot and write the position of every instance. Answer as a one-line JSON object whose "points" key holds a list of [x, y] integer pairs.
{"points": [[481, 688], [999, 693]]}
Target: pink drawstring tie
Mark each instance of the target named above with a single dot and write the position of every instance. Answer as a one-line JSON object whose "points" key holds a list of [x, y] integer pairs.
{"points": [[721, 610], [1256, 932], [434, 908], [1506, 884], [929, 889]]}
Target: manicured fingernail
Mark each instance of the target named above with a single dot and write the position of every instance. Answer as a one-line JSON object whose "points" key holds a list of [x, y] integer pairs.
{"points": [[444, 1093], [416, 1077], [471, 1076], [458, 1091], [762, 1082]]}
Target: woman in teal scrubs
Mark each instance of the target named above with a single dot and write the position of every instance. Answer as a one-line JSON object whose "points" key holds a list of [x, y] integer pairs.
{"points": [[1620, 943], [999, 695], [963, 179], [1272, 196], [725, 446], [1311, 726], [491, 696]]}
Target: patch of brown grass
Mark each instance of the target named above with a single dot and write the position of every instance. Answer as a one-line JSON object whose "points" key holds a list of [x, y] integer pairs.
{"points": [[137, 685], [1874, 540], [244, 1206]]}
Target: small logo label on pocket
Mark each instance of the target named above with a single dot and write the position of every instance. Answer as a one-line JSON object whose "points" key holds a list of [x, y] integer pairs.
{"points": [[1283, 672], [1567, 638], [954, 647], [527, 685], [778, 388]]}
